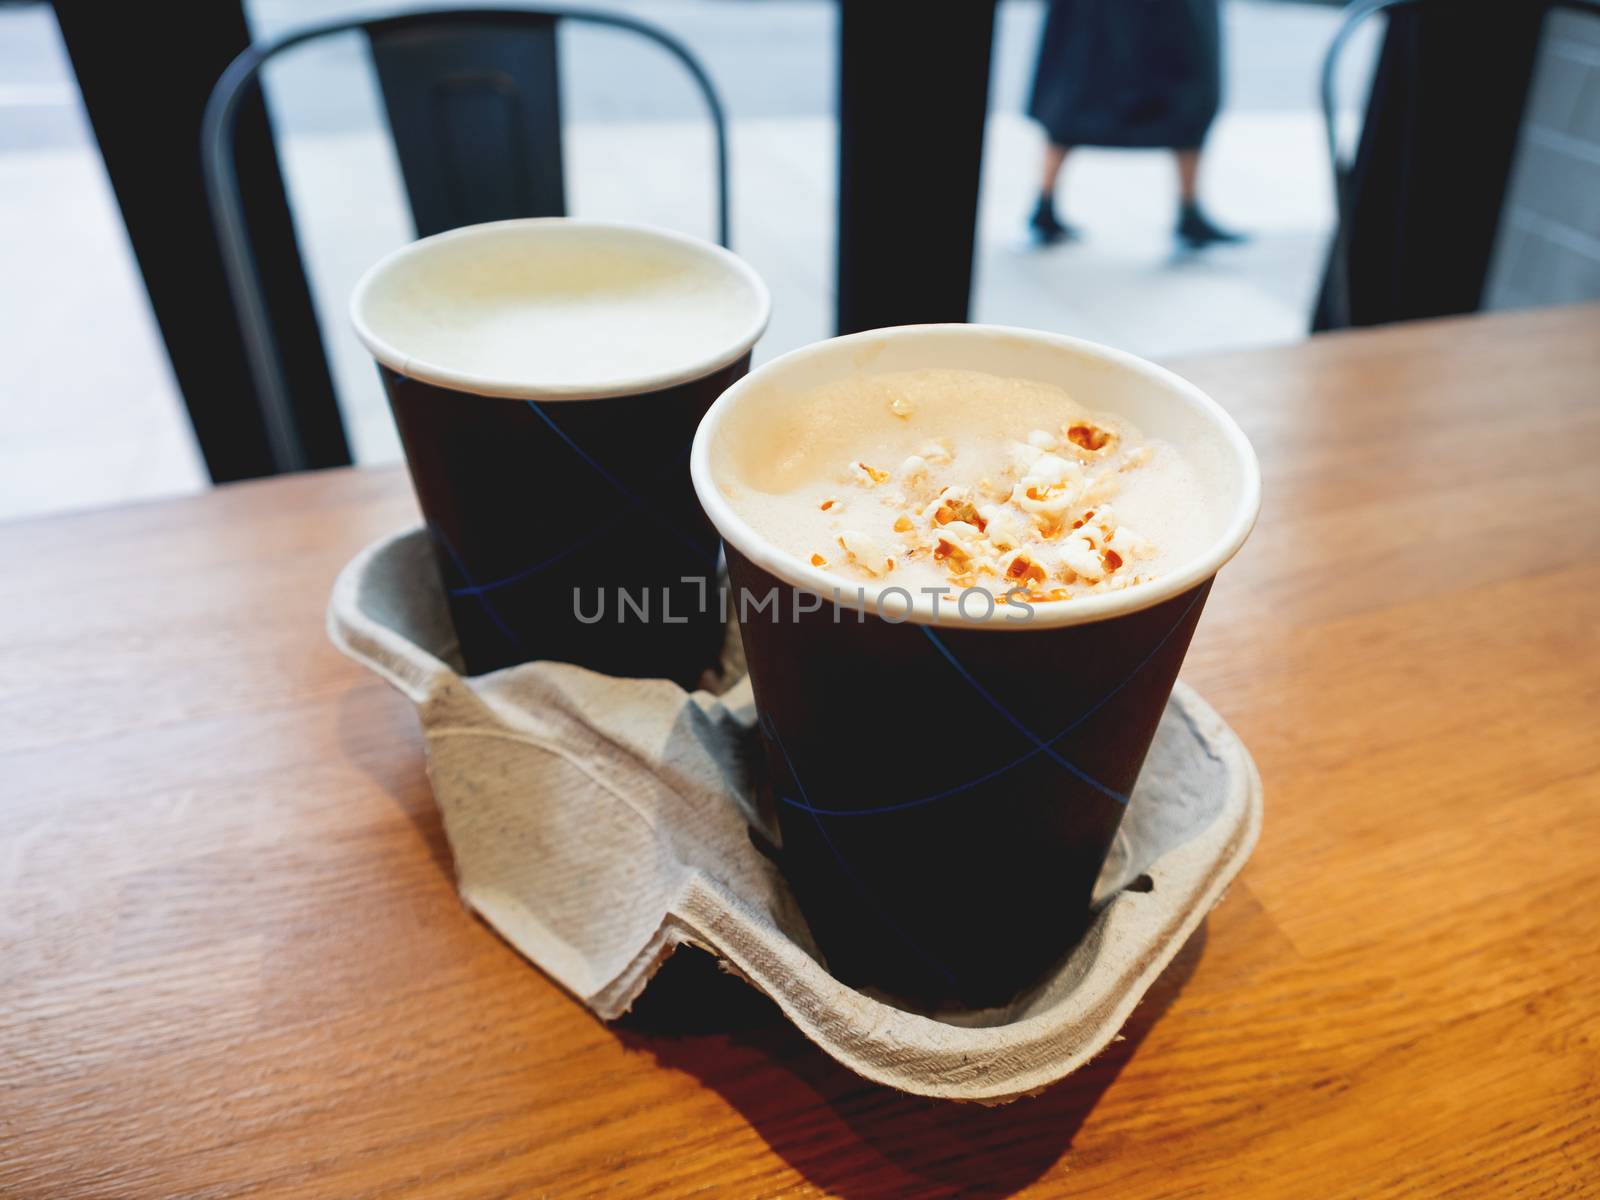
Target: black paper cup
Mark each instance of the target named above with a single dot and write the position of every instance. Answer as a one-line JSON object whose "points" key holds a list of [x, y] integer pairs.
{"points": [[546, 377], [947, 785]]}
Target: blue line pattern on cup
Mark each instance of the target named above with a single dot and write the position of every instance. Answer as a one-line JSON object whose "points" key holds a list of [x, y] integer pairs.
{"points": [[882, 911], [588, 539], [472, 589], [1016, 722], [638, 501], [634, 503], [1004, 768]]}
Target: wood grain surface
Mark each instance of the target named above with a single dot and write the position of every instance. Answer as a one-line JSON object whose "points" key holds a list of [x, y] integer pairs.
{"points": [[232, 962]]}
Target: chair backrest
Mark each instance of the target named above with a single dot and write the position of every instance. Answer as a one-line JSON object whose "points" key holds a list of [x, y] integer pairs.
{"points": [[1336, 300], [473, 104]]}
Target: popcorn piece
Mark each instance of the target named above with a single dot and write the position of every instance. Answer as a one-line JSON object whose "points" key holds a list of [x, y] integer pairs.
{"points": [[1097, 523], [867, 476], [959, 540], [914, 469], [1043, 440], [865, 552], [1020, 568], [1090, 438], [902, 524], [1129, 544], [832, 503], [1080, 556], [955, 504], [1052, 468], [1117, 544], [1007, 528], [937, 452], [1049, 488]]}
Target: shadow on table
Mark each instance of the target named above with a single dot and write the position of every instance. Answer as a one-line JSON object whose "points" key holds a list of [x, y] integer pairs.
{"points": [[855, 1138], [378, 739]]}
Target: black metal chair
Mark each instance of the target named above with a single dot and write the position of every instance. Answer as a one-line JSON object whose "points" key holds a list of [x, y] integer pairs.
{"points": [[474, 108], [1336, 300]]}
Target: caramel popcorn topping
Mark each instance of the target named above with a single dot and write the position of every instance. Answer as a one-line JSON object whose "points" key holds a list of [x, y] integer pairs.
{"points": [[1088, 437], [1023, 567], [1043, 529]]}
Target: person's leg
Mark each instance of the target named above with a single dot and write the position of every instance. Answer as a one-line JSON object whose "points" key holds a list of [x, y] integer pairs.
{"points": [[1195, 229], [1054, 157], [1044, 226], [1188, 175]]}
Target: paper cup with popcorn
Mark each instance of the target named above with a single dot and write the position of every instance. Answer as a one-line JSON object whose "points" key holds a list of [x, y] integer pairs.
{"points": [[546, 376], [967, 563]]}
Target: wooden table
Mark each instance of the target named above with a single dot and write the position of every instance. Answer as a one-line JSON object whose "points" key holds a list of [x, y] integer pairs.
{"points": [[234, 964]]}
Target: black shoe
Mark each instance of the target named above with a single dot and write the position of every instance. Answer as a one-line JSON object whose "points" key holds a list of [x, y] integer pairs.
{"points": [[1047, 229], [1195, 230]]}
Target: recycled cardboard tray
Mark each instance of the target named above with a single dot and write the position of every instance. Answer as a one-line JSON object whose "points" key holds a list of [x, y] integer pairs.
{"points": [[598, 823]]}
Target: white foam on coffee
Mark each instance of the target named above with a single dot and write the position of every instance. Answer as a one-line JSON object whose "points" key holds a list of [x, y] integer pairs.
{"points": [[777, 463], [558, 305]]}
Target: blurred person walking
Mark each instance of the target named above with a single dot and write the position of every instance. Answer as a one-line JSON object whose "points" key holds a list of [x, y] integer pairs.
{"points": [[1133, 74]]}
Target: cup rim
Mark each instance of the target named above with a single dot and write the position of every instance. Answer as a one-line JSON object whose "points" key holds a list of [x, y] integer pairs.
{"points": [[793, 570], [487, 385]]}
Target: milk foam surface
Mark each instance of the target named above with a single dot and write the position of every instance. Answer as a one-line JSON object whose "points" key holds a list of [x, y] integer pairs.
{"points": [[953, 478], [563, 306]]}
